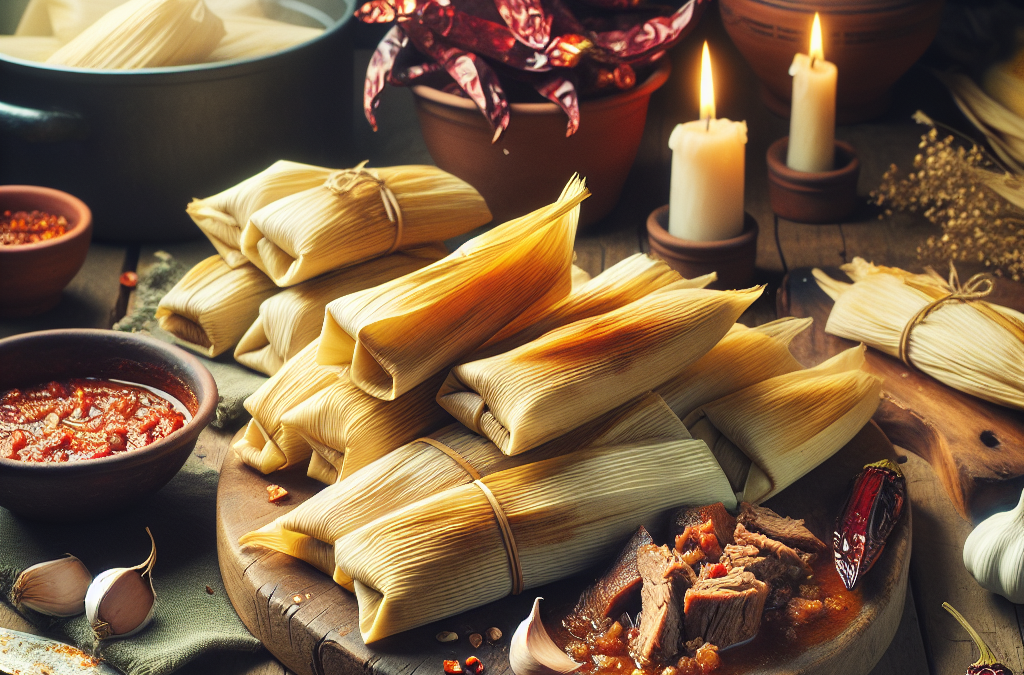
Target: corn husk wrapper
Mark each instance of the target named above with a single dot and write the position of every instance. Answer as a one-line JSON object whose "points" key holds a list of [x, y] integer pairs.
{"points": [[291, 319], [35, 20], [770, 434], [247, 37], [400, 333], [975, 347], [564, 513], [745, 356], [222, 216], [573, 374], [1003, 129], [69, 18], [349, 219], [579, 277], [419, 470], [144, 34], [212, 306], [29, 47]]}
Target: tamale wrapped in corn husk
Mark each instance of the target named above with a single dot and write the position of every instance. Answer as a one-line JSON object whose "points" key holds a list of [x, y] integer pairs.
{"points": [[517, 529], [745, 356], [145, 34], [400, 333], [222, 216], [420, 469], [69, 18], [212, 306], [579, 277], [572, 374], [247, 37], [770, 434], [968, 344], [291, 319], [29, 47], [35, 20], [356, 215]]}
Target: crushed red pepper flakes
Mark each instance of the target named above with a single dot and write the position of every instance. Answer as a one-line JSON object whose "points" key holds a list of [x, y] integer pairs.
{"points": [[276, 493], [30, 227], [452, 667], [129, 279], [209, 591]]}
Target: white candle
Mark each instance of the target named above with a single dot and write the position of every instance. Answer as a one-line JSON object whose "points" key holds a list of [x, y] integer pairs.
{"points": [[812, 122], [706, 199]]}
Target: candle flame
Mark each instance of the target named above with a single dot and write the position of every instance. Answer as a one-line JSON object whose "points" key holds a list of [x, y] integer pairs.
{"points": [[817, 51], [707, 87]]}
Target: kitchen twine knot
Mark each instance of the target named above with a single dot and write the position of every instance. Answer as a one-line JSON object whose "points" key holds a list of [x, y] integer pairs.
{"points": [[977, 287], [342, 181]]}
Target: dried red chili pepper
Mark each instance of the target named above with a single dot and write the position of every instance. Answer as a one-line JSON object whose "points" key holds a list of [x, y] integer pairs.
{"points": [[488, 38], [872, 510], [527, 20], [986, 663], [562, 92], [379, 70], [407, 76], [653, 35]]}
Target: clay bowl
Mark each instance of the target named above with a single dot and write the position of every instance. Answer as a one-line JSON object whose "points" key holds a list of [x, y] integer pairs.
{"points": [[813, 197], [872, 43], [731, 259], [92, 488], [32, 276], [528, 167]]}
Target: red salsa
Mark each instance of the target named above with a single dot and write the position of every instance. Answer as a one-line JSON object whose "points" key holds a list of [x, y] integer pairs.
{"points": [[29, 227], [82, 419]]}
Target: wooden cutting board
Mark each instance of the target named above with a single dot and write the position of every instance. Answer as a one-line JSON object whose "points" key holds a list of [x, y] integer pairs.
{"points": [[976, 447], [312, 625]]}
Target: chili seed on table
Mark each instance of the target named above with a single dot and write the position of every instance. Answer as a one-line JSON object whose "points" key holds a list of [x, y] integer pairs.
{"points": [[474, 665], [452, 667]]}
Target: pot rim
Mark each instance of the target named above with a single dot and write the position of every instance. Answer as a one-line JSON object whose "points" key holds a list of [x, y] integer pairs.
{"points": [[654, 81], [81, 228], [216, 67], [776, 160], [657, 229]]}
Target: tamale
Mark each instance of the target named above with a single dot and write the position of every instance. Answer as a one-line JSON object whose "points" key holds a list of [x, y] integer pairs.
{"points": [[247, 37], [573, 374], [69, 18], [29, 47], [400, 333], [291, 319], [953, 334], [265, 446], [516, 529], [212, 306], [222, 216], [770, 434], [745, 356], [356, 215], [579, 277], [422, 468], [144, 34], [35, 20]]}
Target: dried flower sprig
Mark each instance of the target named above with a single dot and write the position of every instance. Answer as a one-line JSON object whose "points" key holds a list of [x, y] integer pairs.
{"points": [[965, 191]]}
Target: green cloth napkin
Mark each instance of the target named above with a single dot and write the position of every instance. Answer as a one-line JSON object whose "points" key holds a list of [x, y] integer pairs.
{"points": [[189, 620]]}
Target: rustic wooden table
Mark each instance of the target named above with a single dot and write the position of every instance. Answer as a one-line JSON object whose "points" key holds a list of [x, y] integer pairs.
{"points": [[929, 640]]}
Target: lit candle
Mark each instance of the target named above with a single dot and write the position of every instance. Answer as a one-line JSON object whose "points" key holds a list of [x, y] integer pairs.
{"points": [[812, 123], [706, 200]]}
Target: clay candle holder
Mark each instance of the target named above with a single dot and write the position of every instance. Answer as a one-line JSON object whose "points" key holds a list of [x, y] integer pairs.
{"points": [[732, 259], [813, 197]]}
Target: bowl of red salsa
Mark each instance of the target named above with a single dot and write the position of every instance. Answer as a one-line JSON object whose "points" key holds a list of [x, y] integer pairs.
{"points": [[44, 239], [92, 421]]}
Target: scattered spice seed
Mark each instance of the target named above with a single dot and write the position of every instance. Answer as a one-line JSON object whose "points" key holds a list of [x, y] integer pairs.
{"points": [[129, 279], [474, 665], [297, 599], [476, 639], [276, 493], [452, 668], [493, 635], [209, 591], [447, 636]]}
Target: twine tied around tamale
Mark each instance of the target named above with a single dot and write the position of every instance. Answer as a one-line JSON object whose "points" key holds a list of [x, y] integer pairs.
{"points": [[341, 182], [506, 534], [977, 287], [456, 457]]}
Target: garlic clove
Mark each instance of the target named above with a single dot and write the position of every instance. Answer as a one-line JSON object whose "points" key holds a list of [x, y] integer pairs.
{"points": [[994, 553], [533, 652], [55, 587], [120, 602]]}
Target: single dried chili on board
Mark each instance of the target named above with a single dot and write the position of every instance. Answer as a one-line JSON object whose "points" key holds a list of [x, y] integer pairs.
{"points": [[986, 663], [872, 510]]}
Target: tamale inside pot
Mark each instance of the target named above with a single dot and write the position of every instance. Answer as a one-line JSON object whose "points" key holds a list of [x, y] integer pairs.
{"points": [[138, 145]]}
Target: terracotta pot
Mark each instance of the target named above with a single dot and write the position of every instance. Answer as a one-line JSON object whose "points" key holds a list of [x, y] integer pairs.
{"points": [[732, 259], [872, 43], [528, 167], [813, 197], [32, 276]]}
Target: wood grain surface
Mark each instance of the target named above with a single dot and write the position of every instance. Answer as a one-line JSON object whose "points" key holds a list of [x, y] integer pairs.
{"points": [[976, 447]]}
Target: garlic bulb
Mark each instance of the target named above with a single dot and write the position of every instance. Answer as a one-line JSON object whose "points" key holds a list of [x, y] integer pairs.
{"points": [[120, 602], [533, 652], [54, 587], [994, 553]]}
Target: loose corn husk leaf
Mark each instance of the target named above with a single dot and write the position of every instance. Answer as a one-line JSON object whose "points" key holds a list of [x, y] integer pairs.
{"points": [[144, 34], [770, 434], [69, 18], [222, 216], [1003, 129], [564, 513], [29, 47], [419, 470], [573, 374], [346, 221], [247, 37], [212, 306], [400, 333], [975, 347], [745, 356], [579, 277], [291, 319], [35, 20]]}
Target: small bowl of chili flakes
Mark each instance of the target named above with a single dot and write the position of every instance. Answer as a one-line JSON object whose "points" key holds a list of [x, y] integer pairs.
{"points": [[44, 238]]}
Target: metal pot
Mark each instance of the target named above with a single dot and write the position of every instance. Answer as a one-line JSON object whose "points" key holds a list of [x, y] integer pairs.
{"points": [[137, 146]]}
